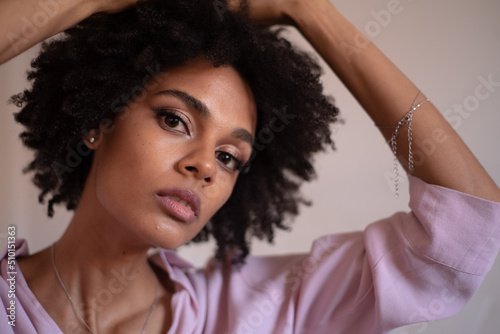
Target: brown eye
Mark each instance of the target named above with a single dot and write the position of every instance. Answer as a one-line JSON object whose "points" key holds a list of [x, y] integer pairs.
{"points": [[169, 120], [229, 161], [172, 121], [225, 158]]}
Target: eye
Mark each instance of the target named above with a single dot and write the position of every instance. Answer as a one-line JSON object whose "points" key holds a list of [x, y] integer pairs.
{"points": [[170, 120], [229, 161]]}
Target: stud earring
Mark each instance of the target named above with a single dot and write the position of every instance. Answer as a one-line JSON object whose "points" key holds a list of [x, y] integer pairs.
{"points": [[92, 140]]}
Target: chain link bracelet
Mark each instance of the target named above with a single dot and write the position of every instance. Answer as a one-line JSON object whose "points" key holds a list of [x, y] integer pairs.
{"points": [[393, 141]]}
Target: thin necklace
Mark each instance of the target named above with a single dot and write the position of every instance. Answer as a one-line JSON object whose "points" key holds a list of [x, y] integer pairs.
{"points": [[153, 306]]}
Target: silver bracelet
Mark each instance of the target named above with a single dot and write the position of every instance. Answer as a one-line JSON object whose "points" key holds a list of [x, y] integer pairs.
{"points": [[393, 141]]}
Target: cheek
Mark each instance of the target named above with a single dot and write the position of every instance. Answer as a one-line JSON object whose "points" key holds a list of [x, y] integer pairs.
{"points": [[218, 193], [125, 169], [221, 190]]}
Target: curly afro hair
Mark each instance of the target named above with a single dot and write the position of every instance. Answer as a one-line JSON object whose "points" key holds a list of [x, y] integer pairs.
{"points": [[81, 79]]}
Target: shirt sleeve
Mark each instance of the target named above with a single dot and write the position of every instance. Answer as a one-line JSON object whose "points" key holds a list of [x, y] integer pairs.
{"points": [[20, 311], [411, 267]]}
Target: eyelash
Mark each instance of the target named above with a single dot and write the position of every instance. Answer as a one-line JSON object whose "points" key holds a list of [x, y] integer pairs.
{"points": [[239, 164], [161, 113]]}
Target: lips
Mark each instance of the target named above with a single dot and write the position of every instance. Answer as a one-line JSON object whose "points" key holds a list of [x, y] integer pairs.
{"points": [[182, 204]]}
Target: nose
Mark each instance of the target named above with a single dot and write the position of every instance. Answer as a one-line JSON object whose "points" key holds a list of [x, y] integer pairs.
{"points": [[199, 163]]}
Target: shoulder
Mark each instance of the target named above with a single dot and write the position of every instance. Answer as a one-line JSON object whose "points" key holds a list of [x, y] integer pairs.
{"points": [[30, 268], [33, 266]]}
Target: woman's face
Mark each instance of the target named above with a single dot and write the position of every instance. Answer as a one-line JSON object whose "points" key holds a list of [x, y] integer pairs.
{"points": [[171, 159]]}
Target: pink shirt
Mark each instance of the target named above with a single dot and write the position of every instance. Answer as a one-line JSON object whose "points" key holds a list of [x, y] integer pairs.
{"points": [[410, 267]]}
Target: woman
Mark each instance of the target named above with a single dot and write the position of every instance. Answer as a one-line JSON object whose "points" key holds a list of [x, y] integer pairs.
{"points": [[128, 196]]}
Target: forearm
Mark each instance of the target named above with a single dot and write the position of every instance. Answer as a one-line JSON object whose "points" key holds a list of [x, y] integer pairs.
{"points": [[25, 23], [387, 94], [28, 22]]}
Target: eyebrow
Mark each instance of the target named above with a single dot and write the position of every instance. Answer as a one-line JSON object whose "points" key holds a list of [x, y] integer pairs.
{"points": [[202, 109], [243, 135], [191, 101]]}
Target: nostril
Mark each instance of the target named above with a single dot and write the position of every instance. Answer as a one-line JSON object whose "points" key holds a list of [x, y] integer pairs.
{"points": [[205, 173]]}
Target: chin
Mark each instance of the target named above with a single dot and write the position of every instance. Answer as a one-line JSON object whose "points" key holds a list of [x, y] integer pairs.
{"points": [[171, 234]]}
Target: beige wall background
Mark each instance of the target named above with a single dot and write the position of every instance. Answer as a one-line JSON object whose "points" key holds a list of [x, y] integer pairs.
{"points": [[446, 47]]}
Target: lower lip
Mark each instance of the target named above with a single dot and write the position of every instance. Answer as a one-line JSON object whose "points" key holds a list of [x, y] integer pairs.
{"points": [[177, 210]]}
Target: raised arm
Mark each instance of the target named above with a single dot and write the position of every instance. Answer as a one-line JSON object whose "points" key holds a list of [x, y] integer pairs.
{"points": [[24, 23], [387, 94]]}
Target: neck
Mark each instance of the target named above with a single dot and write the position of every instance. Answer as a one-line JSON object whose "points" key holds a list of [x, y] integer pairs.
{"points": [[103, 266], [94, 247]]}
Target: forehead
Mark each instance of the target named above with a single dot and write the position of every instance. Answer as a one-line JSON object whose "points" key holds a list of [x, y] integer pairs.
{"points": [[221, 89]]}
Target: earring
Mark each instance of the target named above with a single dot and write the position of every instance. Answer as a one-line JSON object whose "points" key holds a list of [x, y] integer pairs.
{"points": [[92, 140]]}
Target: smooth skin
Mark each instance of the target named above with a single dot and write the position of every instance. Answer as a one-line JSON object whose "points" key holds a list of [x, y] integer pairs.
{"points": [[85, 256], [26, 23], [119, 216]]}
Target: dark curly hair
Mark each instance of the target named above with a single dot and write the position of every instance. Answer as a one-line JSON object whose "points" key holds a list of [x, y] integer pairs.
{"points": [[81, 78]]}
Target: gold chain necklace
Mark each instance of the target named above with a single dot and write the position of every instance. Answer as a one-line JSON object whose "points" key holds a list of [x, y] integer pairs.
{"points": [[152, 308]]}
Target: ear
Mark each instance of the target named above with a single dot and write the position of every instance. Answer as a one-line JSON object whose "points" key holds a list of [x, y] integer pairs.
{"points": [[92, 139]]}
